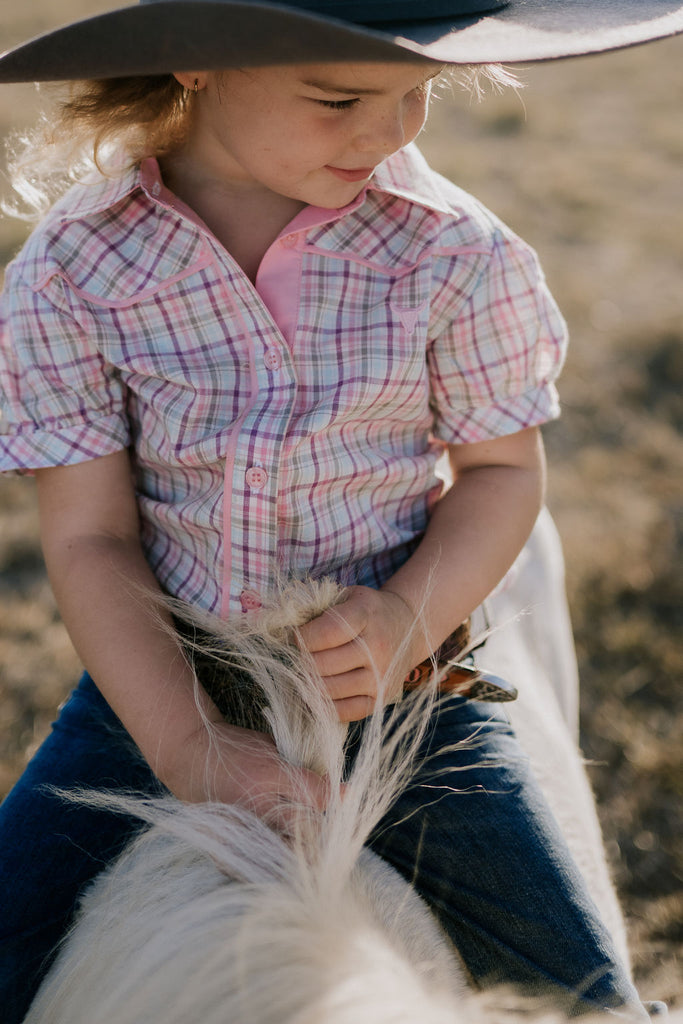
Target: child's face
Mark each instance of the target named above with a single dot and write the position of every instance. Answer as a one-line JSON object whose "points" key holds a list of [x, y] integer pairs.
{"points": [[313, 133]]}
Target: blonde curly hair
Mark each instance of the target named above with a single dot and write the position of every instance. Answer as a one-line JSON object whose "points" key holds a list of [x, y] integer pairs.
{"points": [[104, 125]]}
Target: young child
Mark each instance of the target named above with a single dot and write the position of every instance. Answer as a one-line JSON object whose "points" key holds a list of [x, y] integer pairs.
{"points": [[237, 354]]}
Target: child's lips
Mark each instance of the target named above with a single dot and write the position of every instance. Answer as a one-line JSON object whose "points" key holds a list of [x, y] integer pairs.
{"points": [[355, 174]]}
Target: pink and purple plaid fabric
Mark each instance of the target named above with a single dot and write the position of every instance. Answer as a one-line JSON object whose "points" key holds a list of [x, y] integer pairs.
{"points": [[290, 427]]}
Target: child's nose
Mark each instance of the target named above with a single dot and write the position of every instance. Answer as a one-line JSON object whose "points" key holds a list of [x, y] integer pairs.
{"points": [[384, 134]]}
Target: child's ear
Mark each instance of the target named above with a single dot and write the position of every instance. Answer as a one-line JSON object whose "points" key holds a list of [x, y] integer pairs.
{"points": [[191, 80]]}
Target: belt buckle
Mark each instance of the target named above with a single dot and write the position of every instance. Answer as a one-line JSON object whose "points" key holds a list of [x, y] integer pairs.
{"points": [[475, 684], [464, 680]]}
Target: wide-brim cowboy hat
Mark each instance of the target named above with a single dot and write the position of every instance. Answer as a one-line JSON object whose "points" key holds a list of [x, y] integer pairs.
{"points": [[161, 36]]}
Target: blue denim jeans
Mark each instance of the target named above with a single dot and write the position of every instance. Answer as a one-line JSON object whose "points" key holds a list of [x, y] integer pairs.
{"points": [[472, 833]]}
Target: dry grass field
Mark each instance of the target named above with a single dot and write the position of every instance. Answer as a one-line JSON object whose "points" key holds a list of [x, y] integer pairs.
{"points": [[587, 164]]}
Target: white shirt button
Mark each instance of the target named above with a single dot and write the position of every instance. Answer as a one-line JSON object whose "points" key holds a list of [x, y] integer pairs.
{"points": [[256, 477], [250, 601], [272, 359]]}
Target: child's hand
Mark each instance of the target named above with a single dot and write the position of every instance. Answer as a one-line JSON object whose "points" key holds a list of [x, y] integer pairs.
{"points": [[238, 766], [354, 644]]}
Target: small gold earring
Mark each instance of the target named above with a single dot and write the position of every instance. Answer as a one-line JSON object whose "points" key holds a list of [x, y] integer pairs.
{"points": [[196, 86]]}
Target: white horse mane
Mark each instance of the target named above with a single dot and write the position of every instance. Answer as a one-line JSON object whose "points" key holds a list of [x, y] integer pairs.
{"points": [[211, 916]]}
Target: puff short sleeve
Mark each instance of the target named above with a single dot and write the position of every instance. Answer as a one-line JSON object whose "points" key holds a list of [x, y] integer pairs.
{"points": [[497, 343], [60, 402]]}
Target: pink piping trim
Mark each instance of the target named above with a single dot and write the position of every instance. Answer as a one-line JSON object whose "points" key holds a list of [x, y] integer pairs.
{"points": [[465, 250], [97, 300], [229, 471]]}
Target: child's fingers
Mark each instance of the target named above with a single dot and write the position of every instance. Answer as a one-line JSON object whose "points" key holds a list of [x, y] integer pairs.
{"points": [[354, 646], [354, 709], [351, 684], [339, 625], [332, 629], [339, 661], [253, 775], [287, 797], [356, 694]]}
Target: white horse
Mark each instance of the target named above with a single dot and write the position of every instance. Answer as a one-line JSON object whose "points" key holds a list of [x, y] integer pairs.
{"points": [[210, 916]]}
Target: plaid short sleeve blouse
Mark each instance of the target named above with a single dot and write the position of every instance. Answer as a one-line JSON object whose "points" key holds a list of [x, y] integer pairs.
{"points": [[286, 427]]}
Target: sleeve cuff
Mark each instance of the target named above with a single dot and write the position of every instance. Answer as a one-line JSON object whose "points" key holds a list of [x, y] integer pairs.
{"points": [[469, 426], [26, 450]]}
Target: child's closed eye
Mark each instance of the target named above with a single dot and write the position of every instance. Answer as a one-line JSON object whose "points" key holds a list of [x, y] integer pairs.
{"points": [[339, 104]]}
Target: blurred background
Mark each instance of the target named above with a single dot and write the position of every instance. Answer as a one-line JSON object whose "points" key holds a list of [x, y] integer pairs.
{"points": [[586, 163]]}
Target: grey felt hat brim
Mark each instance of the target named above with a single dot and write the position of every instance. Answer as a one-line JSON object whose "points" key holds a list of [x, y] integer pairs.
{"points": [[176, 35]]}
